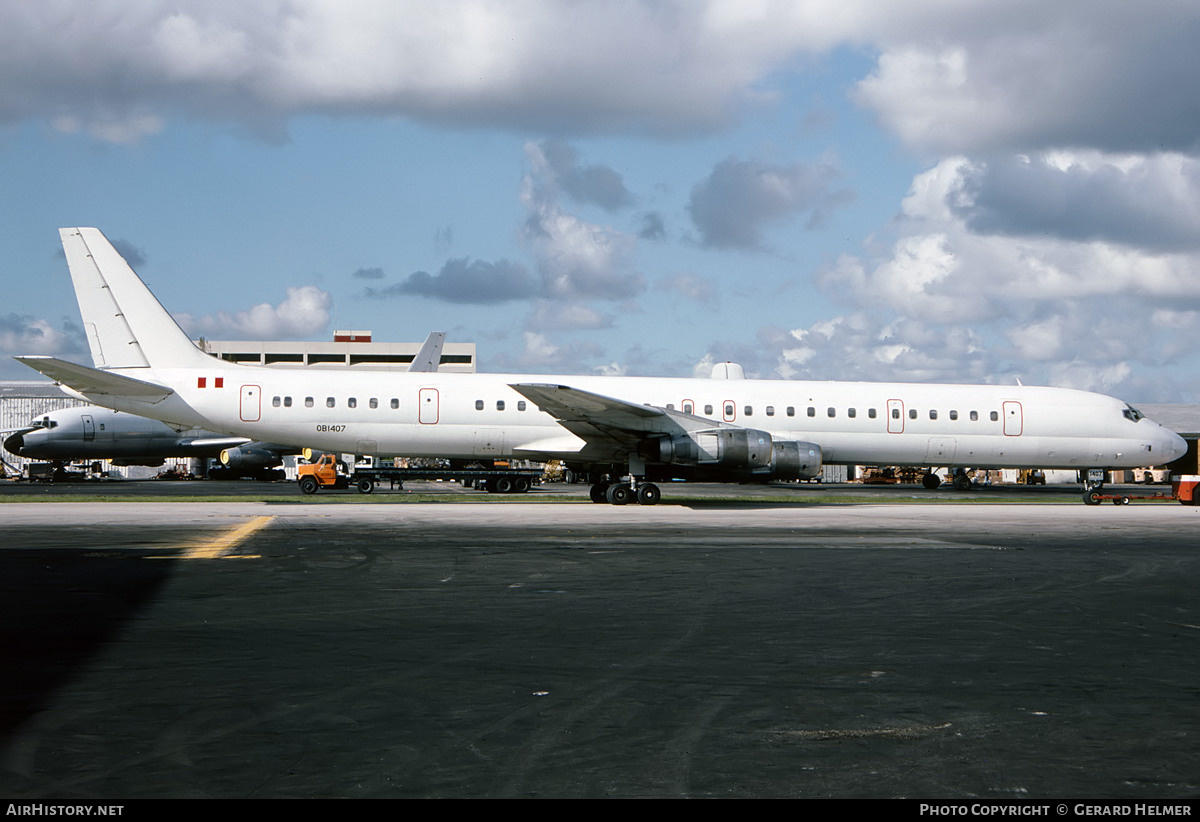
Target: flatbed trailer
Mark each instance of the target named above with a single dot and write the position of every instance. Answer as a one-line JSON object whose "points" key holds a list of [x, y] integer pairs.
{"points": [[497, 480], [1185, 490]]}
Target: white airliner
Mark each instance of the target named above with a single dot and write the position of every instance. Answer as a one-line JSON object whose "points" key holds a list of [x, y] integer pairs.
{"points": [[631, 431]]}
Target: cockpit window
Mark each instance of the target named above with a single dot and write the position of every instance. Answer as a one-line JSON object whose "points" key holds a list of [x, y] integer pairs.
{"points": [[1132, 413]]}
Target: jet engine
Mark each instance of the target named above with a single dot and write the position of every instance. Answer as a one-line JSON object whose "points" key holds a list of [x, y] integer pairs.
{"points": [[248, 459], [745, 453]]}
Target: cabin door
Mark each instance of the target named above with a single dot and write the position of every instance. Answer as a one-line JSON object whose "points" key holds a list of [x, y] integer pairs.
{"points": [[89, 428], [250, 403], [1014, 423], [427, 406]]}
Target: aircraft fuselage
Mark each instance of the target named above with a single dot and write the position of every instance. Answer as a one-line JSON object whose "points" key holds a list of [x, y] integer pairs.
{"points": [[481, 415]]}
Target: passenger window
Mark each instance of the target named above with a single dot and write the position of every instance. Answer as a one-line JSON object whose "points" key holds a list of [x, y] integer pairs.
{"points": [[708, 410], [749, 411], [770, 410], [895, 413], [953, 415], [308, 402], [499, 405], [791, 411], [729, 409], [851, 412], [374, 403], [478, 405], [912, 414], [520, 405], [871, 413], [831, 411], [275, 401], [287, 402], [330, 402], [687, 407], [995, 415], [932, 414], [352, 402], [812, 412], [395, 403]]}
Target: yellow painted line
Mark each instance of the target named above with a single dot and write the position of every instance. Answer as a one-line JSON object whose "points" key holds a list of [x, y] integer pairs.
{"points": [[222, 545]]}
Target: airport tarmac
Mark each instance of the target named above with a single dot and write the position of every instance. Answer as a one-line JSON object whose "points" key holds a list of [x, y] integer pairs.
{"points": [[321, 647]]}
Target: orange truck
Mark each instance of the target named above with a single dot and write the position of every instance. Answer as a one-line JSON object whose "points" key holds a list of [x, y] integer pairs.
{"points": [[326, 472]]}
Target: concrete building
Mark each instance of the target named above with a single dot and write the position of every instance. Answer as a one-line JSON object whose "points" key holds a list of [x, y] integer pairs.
{"points": [[349, 349]]}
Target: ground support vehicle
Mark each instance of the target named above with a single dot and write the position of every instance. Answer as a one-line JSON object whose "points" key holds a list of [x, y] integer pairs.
{"points": [[324, 473], [1184, 489]]}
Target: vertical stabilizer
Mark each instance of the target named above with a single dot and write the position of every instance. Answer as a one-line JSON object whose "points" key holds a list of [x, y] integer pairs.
{"points": [[430, 355], [126, 326]]}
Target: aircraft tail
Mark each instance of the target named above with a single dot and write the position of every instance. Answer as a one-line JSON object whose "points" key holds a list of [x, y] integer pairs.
{"points": [[126, 326]]}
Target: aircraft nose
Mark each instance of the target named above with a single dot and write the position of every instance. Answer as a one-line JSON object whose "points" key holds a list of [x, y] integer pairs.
{"points": [[1175, 445], [14, 444]]}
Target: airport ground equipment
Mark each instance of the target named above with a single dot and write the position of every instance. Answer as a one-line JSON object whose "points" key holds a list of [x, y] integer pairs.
{"points": [[324, 473], [1184, 489]]}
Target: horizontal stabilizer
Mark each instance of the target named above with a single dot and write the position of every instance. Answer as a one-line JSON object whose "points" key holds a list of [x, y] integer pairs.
{"points": [[94, 382]]}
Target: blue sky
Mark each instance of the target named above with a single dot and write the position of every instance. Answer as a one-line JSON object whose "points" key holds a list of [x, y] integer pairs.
{"points": [[980, 192]]}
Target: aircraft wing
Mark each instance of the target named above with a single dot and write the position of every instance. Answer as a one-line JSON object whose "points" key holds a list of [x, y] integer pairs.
{"points": [[92, 381], [610, 427]]}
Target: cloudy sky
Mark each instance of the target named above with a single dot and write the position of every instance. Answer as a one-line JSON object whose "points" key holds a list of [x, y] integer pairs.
{"points": [[832, 189]]}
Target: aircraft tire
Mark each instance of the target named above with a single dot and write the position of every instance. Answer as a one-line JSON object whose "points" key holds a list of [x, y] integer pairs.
{"points": [[931, 481], [309, 485], [1091, 497], [619, 494], [648, 494], [599, 492]]}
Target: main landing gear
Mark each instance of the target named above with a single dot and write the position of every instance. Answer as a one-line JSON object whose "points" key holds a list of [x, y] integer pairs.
{"points": [[623, 493]]}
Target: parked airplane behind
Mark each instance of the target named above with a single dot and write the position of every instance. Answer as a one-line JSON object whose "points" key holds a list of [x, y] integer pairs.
{"points": [[634, 430], [88, 433]]}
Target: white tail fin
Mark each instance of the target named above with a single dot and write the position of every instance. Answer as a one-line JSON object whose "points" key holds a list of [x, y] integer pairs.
{"points": [[430, 355], [126, 326]]}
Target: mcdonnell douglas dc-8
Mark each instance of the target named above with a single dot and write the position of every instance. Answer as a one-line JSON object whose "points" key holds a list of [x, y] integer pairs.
{"points": [[627, 431]]}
